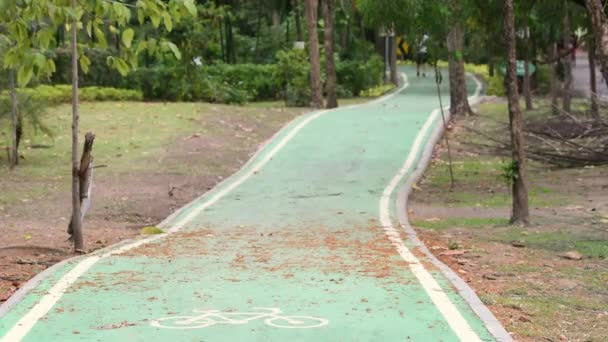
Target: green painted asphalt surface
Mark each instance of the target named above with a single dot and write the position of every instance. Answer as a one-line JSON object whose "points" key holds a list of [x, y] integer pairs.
{"points": [[300, 237]]}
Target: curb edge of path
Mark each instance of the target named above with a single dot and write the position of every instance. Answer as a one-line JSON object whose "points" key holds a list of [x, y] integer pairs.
{"points": [[466, 292]]}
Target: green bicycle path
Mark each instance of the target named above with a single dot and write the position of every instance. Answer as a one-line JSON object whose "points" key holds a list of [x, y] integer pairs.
{"points": [[301, 235]]}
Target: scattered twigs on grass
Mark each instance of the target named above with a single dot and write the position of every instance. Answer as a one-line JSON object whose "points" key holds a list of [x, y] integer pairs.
{"points": [[563, 141]]}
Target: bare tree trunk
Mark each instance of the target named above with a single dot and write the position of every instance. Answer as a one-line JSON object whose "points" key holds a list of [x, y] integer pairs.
{"points": [[393, 58], [459, 104], [521, 212], [555, 82], [567, 61], [527, 83], [85, 179], [311, 8], [276, 17], [258, 28], [76, 225], [600, 32], [14, 153], [345, 35], [86, 174], [438, 80], [594, 108], [298, 17], [230, 48], [330, 66], [527, 86], [222, 49]]}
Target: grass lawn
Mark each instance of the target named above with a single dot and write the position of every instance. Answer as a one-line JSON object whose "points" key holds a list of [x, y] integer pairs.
{"points": [[128, 137]]}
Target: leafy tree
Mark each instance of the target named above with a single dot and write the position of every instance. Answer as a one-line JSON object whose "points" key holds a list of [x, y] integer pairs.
{"points": [[392, 15], [31, 27]]}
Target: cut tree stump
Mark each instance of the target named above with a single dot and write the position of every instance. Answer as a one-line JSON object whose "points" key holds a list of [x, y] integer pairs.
{"points": [[85, 174]]}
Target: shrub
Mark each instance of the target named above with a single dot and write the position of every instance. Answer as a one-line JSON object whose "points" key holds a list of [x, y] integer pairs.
{"points": [[62, 93], [543, 79], [99, 73], [357, 76], [292, 77], [378, 90], [255, 79], [496, 85], [189, 84]]}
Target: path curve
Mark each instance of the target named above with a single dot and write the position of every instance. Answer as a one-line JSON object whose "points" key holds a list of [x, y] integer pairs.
{"points": [[298, 230]]}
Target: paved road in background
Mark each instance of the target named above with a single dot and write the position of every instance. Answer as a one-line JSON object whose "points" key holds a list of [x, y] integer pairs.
{"points": [[582, 77], [302, 244]]}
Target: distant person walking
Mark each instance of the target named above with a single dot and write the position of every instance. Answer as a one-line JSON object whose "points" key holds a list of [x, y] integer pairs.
{"points": [[422, 56]]}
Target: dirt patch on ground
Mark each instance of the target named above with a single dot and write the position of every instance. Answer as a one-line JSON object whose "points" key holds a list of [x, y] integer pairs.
{"points": [[33, 228], [522, 273]]}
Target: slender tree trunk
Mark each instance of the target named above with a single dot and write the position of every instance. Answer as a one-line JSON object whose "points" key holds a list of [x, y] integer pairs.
{"points": [[276, 17], [287, 31], [555, 81], [230, 53], [330, 66], [527, 86], [345, 35], [595, 108], [14, 154], [521, 214], [361, 24], [393, 58], [298, 17], [311, 8], [567, 61], [258, 29], [222, 49], [438, 80], [527, 82], [76, 226], [459, 104], [600, 33]]}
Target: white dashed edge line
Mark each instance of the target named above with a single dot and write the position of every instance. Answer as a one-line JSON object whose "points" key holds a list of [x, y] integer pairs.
{"points": [[466, 292]]}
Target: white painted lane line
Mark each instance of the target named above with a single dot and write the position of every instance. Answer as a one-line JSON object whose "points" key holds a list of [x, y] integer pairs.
{"points": [[459, 325], [27, 322]]}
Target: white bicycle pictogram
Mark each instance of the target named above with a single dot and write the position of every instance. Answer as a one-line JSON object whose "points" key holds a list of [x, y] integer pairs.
{"points": [[207, 318]]}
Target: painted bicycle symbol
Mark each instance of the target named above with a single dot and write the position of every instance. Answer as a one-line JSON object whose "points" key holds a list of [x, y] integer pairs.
{"points": [[208, 318]]}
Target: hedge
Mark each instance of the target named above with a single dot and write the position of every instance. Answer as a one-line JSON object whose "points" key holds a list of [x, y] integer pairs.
{"points": [[239, 83], [58, 94]]}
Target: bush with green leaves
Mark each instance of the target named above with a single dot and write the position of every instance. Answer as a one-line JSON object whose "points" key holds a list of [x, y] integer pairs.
{"points": [[255, 79], [190, 84], [496, 85], [292, 77], [30, 110], [52, 95], [543, 79], [357, 76], [99, 72], [377, 90]]}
